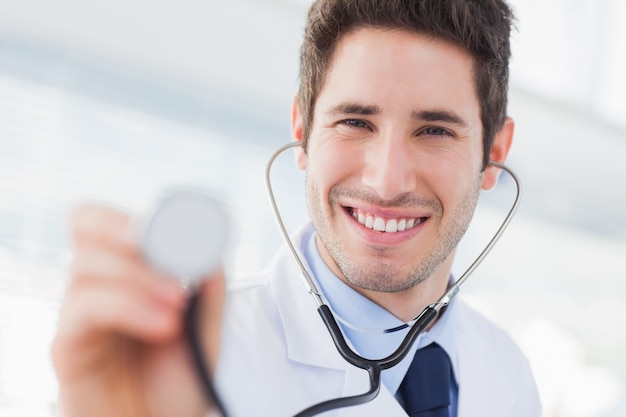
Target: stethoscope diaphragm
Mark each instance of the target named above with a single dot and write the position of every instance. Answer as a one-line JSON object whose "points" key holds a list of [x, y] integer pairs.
{"points": [[186, 234]]}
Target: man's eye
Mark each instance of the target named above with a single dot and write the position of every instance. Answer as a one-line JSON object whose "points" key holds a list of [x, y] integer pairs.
{"points": [[355, 123], [435, 131]]}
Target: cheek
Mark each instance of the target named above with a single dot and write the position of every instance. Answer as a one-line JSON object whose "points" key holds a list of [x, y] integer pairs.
{"points": [[454, 182], [329, 165]]}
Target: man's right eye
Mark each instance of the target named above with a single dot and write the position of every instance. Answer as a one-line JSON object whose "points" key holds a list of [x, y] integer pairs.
{"points": [[355, 123]]}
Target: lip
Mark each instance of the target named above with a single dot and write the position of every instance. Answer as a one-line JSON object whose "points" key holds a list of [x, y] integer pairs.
{"points": [[386, 212]]}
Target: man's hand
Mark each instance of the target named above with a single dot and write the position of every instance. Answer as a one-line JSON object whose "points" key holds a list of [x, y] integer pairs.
{"points": [[119, 350]]}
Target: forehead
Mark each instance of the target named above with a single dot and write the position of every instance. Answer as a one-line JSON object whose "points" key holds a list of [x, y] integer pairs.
{"points": [[381, 64]]}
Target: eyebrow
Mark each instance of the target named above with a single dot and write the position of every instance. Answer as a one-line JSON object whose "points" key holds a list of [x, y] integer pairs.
{"points": [[353, 108], [422, 115], [439, 116]]}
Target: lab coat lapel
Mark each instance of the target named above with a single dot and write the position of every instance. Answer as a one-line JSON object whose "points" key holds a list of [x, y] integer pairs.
{"points": [[482, 389], [307, 338], [357, 382]]}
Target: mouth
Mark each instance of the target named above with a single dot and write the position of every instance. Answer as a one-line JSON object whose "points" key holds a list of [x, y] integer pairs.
{"points": [[385, 224]]}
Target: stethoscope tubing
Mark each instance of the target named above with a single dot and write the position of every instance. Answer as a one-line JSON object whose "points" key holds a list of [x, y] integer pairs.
{"points": [[374, 367], [192, 325]]}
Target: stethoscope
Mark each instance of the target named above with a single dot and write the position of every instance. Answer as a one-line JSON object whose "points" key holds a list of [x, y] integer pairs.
{"points": [[187, 216]]}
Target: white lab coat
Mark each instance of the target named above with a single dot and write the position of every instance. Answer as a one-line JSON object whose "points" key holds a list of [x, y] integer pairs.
{"points": [[277, 357]]}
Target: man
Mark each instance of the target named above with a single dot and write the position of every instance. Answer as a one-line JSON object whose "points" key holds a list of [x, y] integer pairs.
{"points": [[401, 106]]}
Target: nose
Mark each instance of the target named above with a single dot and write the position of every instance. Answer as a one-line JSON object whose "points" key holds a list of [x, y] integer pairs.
{"points": [[390, 167]]}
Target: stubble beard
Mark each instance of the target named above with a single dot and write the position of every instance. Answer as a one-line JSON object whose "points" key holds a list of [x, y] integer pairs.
{"points": [[375, 273]]}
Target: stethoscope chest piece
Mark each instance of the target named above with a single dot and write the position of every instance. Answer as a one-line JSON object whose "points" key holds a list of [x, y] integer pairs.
{"points": [[186, 234]]}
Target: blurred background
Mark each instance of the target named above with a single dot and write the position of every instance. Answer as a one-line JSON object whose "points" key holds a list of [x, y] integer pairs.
{"points": [[116, 100]]}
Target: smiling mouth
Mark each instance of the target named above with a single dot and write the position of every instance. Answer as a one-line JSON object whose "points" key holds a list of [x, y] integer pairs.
{"points": [[387, 225]]}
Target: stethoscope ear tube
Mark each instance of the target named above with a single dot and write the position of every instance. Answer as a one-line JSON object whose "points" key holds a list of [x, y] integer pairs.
{"points": [[454, 289], [309, 283]]}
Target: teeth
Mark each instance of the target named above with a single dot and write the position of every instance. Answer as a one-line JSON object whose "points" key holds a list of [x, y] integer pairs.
{"points": [[381, 225], [392, 226]]}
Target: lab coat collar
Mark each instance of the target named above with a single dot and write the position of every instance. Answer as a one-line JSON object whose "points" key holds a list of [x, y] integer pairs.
{"points": [[308, 341]]}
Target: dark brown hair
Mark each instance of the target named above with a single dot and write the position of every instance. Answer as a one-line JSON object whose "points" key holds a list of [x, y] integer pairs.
{"points": [[480, 27]]}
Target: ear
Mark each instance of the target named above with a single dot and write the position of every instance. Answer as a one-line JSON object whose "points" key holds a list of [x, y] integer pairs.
{"points": [[499, 151], [296, 134]]}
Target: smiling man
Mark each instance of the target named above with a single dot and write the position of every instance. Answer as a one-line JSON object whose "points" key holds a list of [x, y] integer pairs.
{"points": [[401, 105]]}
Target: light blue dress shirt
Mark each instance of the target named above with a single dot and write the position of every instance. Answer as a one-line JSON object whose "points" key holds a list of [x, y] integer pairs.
{"points": [[362, 321]]}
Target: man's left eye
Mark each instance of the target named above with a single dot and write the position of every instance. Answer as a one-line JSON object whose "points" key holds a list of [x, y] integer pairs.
{"points": [[435, 131], [355, 123]]}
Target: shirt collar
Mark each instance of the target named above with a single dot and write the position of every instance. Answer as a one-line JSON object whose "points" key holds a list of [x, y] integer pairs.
{"points": [[362, 314]]}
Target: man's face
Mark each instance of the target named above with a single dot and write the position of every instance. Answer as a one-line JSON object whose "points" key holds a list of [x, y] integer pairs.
{"points": [[394, 158]]}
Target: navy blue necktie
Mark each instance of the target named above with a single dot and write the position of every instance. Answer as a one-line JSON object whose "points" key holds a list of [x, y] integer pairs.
{"points": [[425, 389]]}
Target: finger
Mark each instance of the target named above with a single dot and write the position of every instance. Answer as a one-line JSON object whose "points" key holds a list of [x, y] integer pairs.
{"points": [[94, 321], [95, 267], [213, 296], [97, 224], [102, 311]]}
